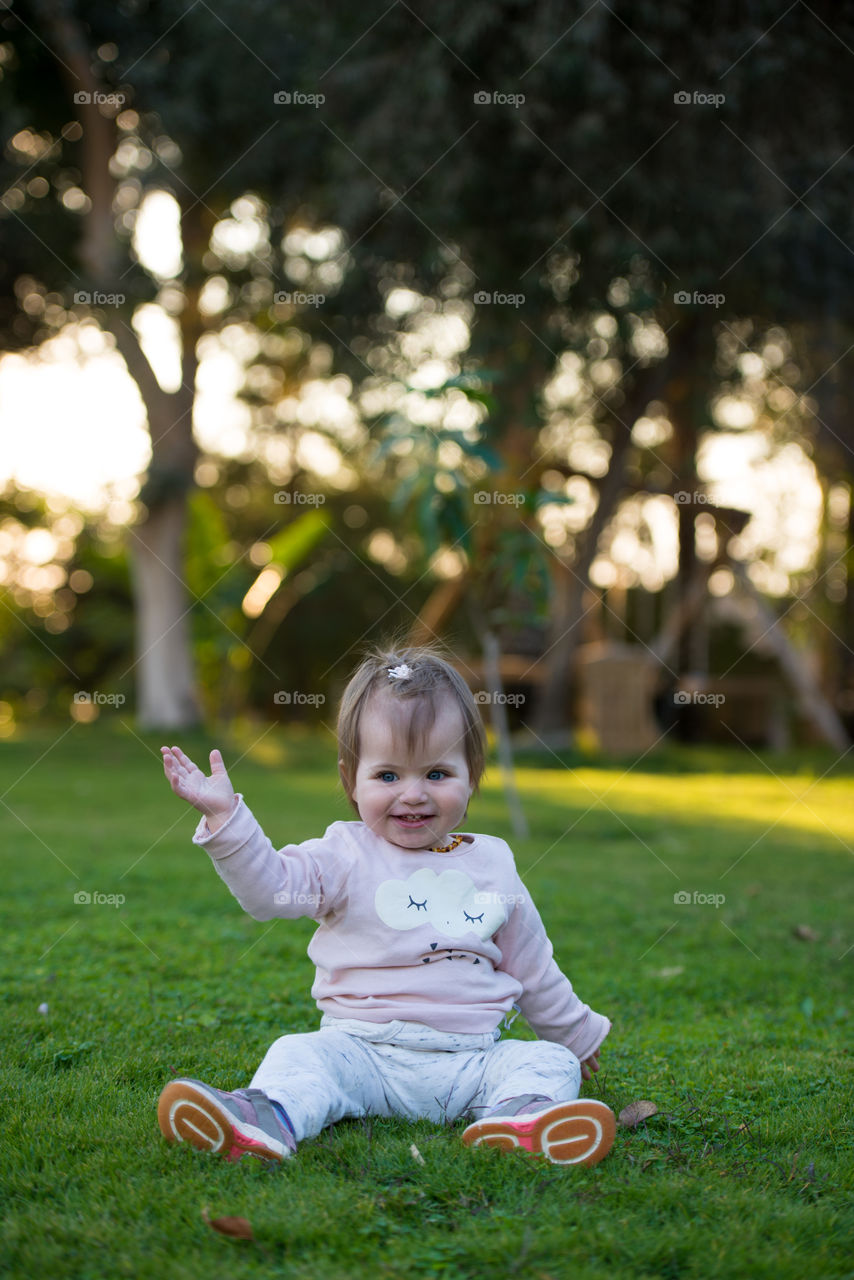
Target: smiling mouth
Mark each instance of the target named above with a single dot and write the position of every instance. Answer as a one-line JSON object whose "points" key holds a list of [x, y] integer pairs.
{"points": [[412, 819]]}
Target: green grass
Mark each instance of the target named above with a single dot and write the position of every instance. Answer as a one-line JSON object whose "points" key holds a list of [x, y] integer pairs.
{"points": [[737, 1029]]}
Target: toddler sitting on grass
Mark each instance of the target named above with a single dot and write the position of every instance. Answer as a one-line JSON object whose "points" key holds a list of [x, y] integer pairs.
{"points": [[426, 940]]}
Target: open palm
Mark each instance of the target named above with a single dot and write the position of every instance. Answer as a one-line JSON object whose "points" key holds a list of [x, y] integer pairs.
{"points": [[212, 796]]}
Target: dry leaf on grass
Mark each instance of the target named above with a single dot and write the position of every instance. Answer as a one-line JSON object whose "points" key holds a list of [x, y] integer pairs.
{"points": [[416, 1154], [805, 933], [238, 1228], [632, 1115]]}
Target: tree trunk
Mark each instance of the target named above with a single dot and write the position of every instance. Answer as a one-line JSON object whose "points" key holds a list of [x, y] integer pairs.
{"points": [[498, 716], [166, 687], [165, 684]]}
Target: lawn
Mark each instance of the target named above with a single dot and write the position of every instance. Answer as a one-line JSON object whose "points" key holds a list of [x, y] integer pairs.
{"points": [[702, 900]]}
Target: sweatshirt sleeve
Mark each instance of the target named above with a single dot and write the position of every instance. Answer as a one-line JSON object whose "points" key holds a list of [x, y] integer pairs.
{"points": [[548, 1001], [304, 879]]}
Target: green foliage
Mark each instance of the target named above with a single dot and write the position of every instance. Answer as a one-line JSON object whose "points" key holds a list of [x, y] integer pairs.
{"points": [[44, 668], [297, 540]]}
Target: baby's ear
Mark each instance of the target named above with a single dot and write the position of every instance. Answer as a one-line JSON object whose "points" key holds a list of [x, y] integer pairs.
{"points": [[344, 776]]}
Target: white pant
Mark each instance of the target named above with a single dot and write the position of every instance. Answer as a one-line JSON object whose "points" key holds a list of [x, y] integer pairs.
{"points": [[353, 1068]]}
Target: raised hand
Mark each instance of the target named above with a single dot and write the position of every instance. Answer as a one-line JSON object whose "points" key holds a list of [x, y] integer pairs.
{"points": [[213, 796]]}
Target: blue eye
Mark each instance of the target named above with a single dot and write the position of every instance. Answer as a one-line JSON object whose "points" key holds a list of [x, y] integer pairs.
{"points": [[419, 906], [387, 776], [435, 774], [471, 919]]}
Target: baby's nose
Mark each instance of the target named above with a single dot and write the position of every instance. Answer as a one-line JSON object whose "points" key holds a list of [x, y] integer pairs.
{"points": [[413, 790]]}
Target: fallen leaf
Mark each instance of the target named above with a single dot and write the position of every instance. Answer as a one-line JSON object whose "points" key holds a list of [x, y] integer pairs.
{"points": [[632, 1115], [239, 1228], [416, 1154], [805, 933], [672, 972]]}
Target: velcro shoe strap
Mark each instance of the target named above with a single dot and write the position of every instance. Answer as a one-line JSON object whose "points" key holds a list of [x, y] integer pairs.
{"points": [[263, 1110]]}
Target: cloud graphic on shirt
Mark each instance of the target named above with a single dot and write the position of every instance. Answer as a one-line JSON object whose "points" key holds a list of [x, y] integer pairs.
{"points": [[449, 902]]}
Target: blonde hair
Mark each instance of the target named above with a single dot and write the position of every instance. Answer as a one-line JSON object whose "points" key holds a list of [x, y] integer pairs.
{"points": [[418, 675]]}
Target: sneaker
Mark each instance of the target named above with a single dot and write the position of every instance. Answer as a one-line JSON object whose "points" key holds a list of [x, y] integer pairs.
{"points": [[580, 1132], [230, 1124]]}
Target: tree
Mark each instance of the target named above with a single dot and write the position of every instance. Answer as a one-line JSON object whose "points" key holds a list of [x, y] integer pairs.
{"points": [[142, 119], [599, 196]]}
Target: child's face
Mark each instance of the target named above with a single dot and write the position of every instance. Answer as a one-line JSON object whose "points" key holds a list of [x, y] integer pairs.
{"points": [[413, 799]]}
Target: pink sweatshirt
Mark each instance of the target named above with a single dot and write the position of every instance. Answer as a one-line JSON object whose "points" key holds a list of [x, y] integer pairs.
{"points": [[450, 940]]}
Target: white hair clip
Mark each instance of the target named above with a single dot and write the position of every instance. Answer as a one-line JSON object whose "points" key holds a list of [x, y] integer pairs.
{"points": [[403, 672]]}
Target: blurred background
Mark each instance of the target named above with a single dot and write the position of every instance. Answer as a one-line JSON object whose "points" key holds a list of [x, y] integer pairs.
{"points": [[527, 327]]}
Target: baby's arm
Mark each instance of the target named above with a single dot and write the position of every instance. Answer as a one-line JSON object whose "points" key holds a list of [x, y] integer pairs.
{"points": [[548, 1000], [213, 796], [298, 880]]}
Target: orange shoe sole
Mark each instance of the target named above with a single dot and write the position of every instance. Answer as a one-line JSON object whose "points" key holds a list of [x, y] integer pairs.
{"points": [[190, 1112], [580, 1132]]}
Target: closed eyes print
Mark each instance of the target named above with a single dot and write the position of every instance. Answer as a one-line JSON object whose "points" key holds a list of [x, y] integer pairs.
{"points": [[451, 903]]}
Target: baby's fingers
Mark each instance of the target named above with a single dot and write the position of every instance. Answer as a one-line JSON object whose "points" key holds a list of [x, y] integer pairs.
{"points": [[184, 760]]}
